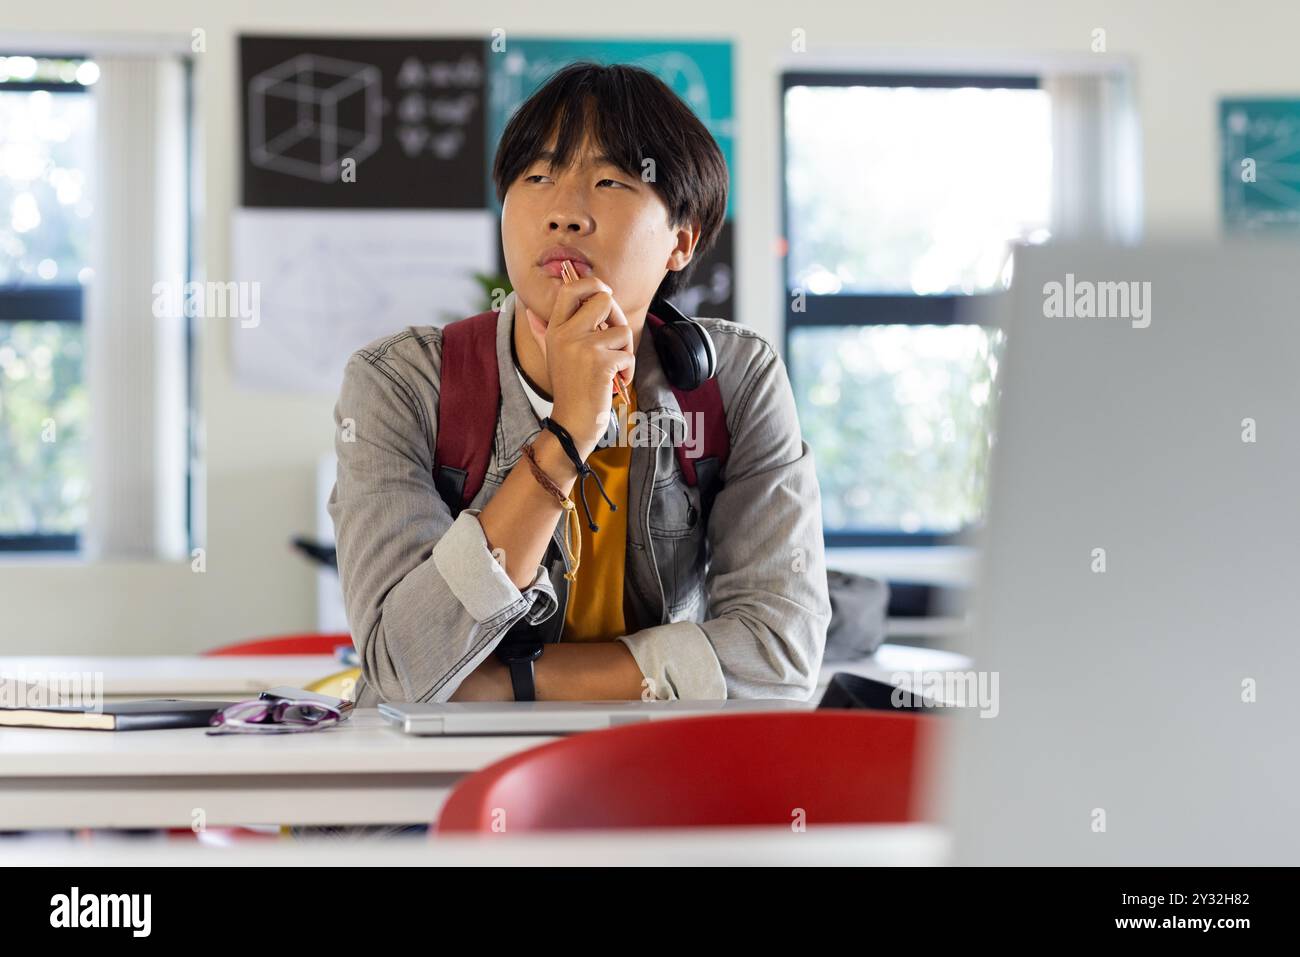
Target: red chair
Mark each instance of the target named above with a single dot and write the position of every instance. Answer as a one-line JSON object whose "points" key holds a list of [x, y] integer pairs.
{"points": [[314, 644], [838, 766]]}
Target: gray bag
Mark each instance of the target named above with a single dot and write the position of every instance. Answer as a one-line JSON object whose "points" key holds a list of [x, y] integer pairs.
{"points": [[858, 608]]}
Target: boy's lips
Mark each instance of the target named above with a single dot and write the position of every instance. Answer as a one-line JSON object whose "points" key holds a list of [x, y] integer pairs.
{"points": [[554, 268]]}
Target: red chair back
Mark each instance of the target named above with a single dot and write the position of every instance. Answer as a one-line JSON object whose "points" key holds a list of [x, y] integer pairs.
{"points": [[837, 766], [314, 644]]}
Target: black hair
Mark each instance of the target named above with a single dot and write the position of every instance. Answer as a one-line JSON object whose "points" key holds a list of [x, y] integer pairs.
{"points": [[632, 116]]}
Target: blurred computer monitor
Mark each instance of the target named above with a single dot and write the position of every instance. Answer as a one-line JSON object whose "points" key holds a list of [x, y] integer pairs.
{"points": [[1139, 593]]}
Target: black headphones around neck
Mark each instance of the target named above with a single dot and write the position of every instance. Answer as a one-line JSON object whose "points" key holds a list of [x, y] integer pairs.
{"points": [[685, 349]]}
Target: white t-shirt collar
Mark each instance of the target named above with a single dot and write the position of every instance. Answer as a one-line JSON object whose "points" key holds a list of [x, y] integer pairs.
{"points": [[543, 407], [540, 405]]}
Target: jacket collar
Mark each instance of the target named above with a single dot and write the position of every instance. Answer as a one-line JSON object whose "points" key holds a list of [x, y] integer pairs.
{"points": [[517, 422]]}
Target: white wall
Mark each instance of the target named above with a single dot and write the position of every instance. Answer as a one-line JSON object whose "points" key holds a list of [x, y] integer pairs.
{"points": [[261, 451]]}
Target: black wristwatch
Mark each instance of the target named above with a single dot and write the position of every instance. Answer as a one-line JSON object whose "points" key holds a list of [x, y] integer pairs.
{"points": [[519, 658]]}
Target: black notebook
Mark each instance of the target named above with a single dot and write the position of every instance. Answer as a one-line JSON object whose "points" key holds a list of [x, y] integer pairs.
{"points": [[148, 715]]}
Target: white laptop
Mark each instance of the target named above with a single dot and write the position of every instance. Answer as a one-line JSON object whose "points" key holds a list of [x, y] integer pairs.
{"points": [[1140, 585], [560, 717]]}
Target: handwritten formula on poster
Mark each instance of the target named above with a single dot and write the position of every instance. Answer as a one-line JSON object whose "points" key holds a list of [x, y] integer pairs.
{"points": [[377, 124]]}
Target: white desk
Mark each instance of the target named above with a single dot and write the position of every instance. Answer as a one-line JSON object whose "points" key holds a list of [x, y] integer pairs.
{"points": [[193, 676], [181, 676], [363, 772], [828, 845]]}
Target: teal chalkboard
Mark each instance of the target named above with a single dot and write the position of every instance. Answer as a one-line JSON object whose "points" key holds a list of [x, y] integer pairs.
{"points": [[1260, 141]]}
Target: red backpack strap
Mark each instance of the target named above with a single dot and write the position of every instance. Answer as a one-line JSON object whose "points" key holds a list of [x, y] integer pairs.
{"points": [[702, 406], [469, 393]]}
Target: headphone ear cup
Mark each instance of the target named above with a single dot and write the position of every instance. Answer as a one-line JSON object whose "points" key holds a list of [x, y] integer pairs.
{"points": [[674, 357], [687, 353], [708, 353], [685, 348]]}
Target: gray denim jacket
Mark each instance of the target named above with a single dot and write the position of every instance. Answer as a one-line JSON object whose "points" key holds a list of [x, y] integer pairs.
{"points": [[745, 617]]}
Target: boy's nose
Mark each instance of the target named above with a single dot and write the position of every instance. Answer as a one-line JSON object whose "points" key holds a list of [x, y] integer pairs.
{"points": [[568, 216], [574, 223]]}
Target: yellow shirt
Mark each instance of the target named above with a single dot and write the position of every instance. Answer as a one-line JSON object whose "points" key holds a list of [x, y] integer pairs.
{"points": [[595, 611]]}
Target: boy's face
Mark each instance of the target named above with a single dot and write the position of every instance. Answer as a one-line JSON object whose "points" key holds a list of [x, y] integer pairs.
{"points": [[616, 221]]}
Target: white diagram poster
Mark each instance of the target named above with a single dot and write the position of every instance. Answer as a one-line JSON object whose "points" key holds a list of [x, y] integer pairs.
{"points": [[327, 282]]}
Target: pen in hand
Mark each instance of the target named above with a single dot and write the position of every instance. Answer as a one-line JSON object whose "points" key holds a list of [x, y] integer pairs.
{"points": [[569, 274]]}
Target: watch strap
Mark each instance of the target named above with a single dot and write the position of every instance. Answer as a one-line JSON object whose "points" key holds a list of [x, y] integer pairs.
{"points": [[522, 679], [519, 659]]}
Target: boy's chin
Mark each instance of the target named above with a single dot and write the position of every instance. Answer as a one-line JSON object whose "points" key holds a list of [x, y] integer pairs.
{"points": [[540, 297], [533, 320]]}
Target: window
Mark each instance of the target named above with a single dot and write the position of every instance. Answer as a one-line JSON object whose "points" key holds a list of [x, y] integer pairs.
{"points": [[46, 201], [903, 196], [83, 353]]}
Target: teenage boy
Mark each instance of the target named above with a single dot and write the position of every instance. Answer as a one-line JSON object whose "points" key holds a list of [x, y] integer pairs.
{"points": [[678, 594]]}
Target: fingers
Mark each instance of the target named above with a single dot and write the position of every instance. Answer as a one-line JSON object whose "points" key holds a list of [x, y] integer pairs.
{"points": [[618, 320], [592, 314], [569, 299], [623, 363], [584, 308], [616, 317], [617, 341], [536, 327], [615, 337]]}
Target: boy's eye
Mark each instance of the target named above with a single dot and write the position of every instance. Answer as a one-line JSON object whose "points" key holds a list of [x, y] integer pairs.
{"points": [[538, 177]]}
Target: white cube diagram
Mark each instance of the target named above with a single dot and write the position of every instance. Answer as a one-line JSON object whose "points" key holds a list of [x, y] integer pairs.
{"points": [[310, 112]]}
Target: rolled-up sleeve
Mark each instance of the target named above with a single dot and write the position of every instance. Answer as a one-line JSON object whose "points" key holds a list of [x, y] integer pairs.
{"points": [[426, 599], [678, 662], [768, 601], [478, 581]]}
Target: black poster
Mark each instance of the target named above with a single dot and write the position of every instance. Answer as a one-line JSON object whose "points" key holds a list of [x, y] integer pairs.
{"points": [[373, 123], [709, 292]]}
